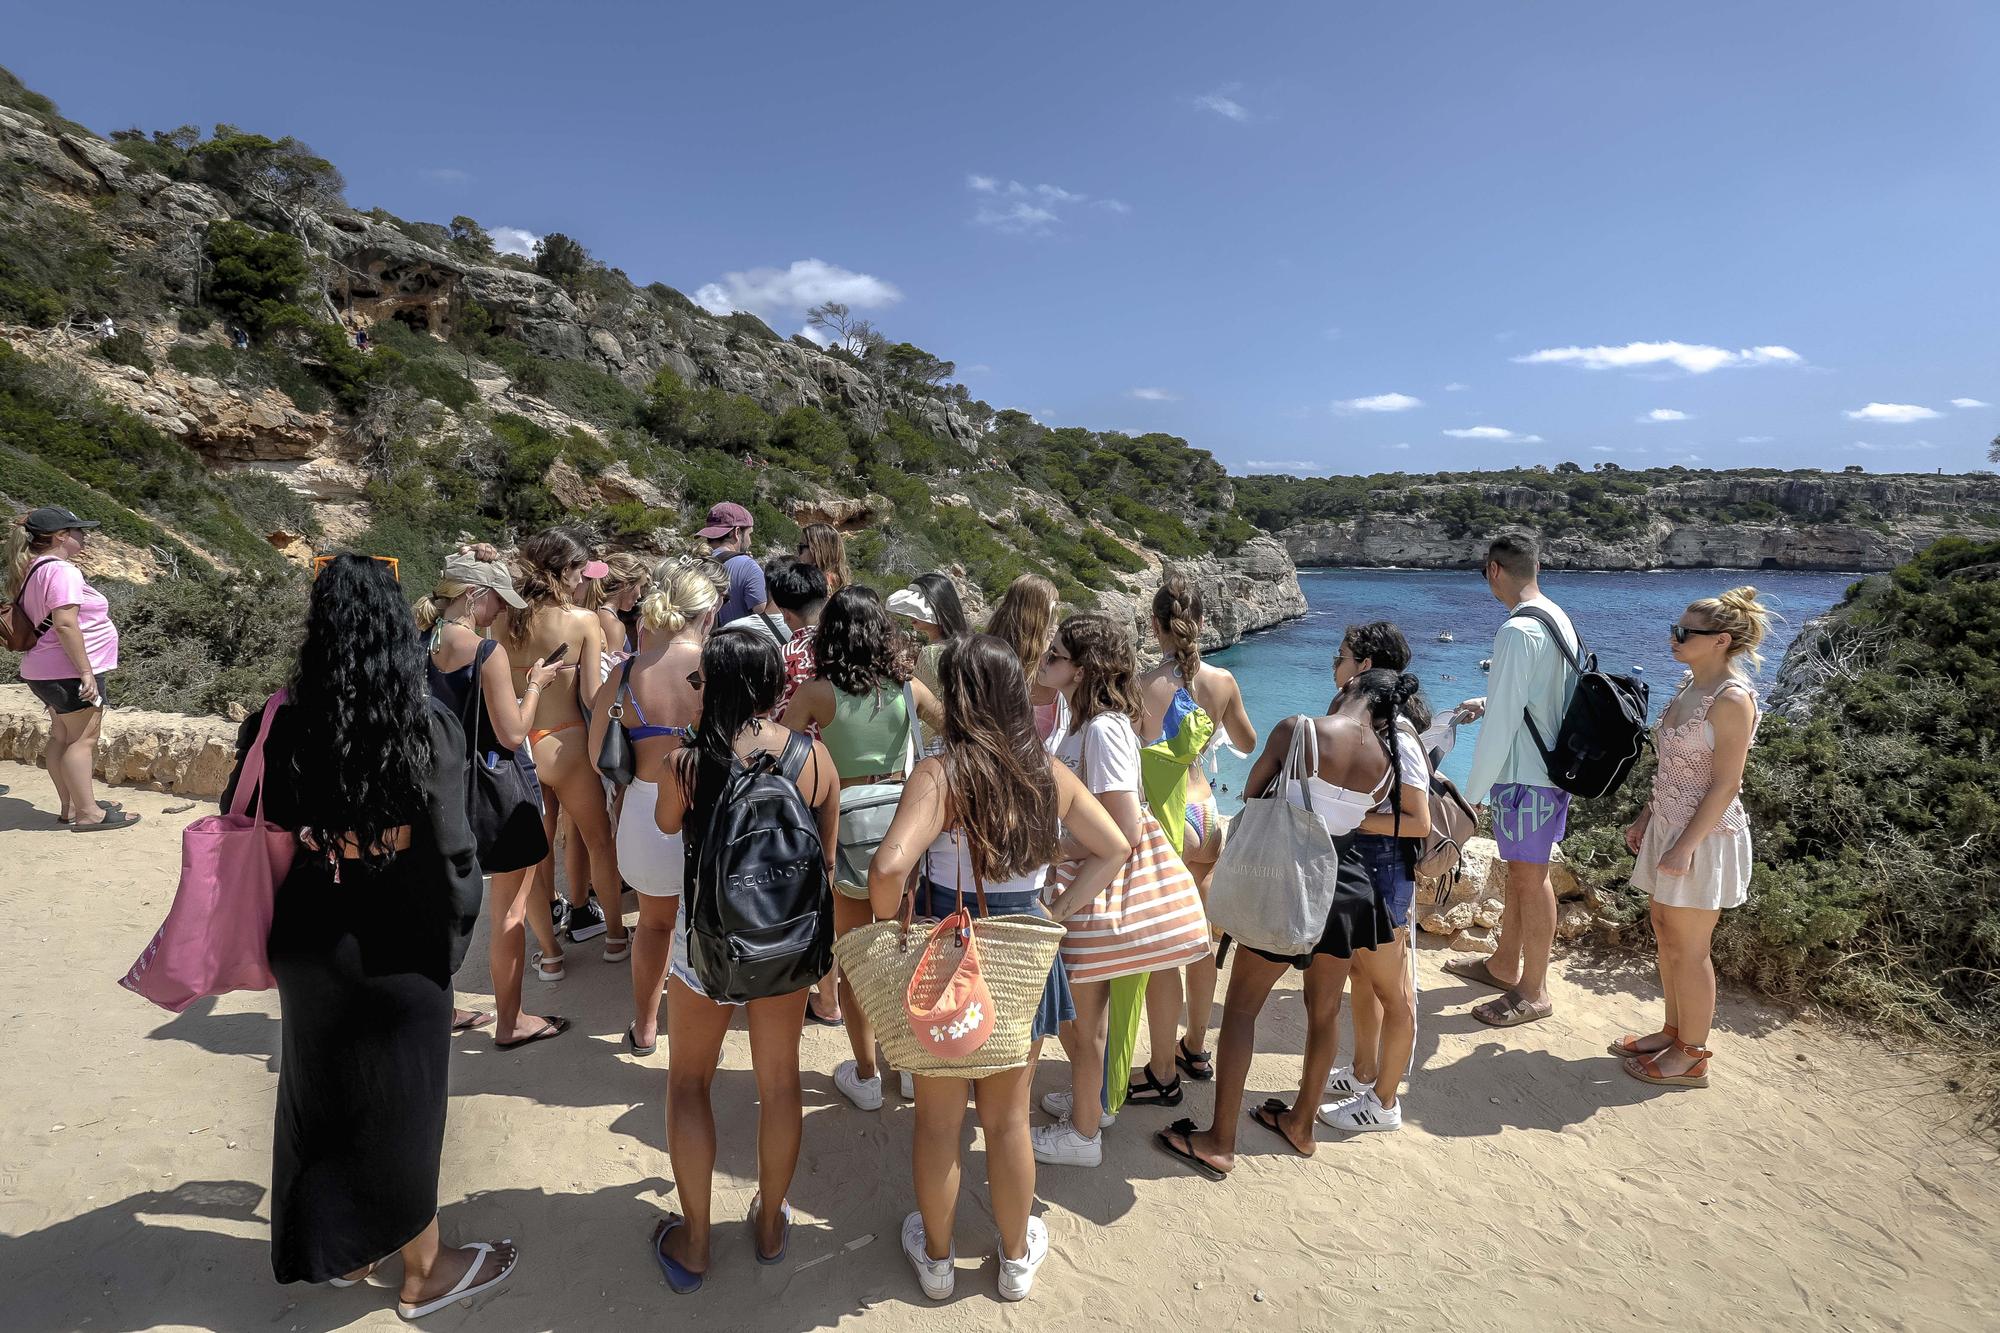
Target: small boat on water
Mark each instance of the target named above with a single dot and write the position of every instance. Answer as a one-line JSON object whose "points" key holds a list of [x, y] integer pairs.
{"points": [[1444, 636], [1485, 664]]}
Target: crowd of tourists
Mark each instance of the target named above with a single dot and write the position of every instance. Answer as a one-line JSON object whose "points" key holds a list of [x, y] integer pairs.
{"points": [[839, 808]]}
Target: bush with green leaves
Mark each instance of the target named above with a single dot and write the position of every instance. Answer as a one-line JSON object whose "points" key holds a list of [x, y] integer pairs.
{"points": [[255, 275], [202, 641], [127, 348]]}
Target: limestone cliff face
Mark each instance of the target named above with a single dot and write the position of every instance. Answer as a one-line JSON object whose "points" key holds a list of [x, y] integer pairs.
{"points": [[1814, 531], [1251, 590]]}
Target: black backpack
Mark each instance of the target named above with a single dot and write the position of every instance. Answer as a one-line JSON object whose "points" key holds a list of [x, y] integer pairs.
{"points": [[759, 906], [1604, 728]]}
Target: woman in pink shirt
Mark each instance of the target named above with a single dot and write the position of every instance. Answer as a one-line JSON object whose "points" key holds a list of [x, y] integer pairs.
{"points": [[75, 646]]}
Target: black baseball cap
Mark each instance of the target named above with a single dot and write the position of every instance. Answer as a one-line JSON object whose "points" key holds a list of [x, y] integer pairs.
{"points": [[54, 518]]}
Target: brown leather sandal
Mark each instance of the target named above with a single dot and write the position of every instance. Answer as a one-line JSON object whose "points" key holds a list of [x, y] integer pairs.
{"points": [[1628, 1045], [1646, 1068]]}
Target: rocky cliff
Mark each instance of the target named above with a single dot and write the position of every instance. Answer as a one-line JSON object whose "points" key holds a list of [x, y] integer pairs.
{"points": [[1820, 522]]}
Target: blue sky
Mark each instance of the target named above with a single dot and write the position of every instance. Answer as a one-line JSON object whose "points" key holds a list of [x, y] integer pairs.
{"points": [[1262, 227]]}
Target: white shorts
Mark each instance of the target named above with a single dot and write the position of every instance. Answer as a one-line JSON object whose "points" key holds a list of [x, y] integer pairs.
{"points": [[681, 969], [652, 862]]}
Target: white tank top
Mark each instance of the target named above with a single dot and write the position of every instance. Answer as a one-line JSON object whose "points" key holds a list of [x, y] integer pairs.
{"points": [[948, 864], [1340, 810]]}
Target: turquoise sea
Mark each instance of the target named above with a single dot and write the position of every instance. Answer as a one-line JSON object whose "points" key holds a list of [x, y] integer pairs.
{"points": [[1623, 617]]}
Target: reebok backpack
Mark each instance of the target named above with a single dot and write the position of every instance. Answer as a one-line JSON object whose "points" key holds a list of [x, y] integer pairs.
{"points": [[759, 908], [1603, 729]]}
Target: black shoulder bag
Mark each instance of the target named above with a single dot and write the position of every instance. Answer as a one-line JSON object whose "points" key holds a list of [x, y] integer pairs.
{"points": [[614, 757], [503, 797]]}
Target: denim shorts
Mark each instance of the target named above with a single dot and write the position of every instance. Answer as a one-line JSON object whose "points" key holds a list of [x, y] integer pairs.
{"points": [[1389, 867]]}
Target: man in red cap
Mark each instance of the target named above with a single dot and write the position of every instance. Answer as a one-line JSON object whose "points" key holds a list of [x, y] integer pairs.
{"points": [[728, 538]]}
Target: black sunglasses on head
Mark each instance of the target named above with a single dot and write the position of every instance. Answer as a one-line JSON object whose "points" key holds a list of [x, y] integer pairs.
{"points": [[1681, 632]]}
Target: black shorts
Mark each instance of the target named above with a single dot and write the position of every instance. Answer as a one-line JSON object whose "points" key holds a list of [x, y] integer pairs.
{"points": [[65, 696], [1358, 918]]}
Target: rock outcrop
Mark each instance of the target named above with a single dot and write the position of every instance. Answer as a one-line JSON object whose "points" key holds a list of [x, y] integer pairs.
{"points": [[193, 756], [1470, 911], [1251, 590], [1910, 513]]}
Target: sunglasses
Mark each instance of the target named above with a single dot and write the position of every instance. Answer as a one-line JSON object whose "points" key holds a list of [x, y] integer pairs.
{"points": [[1055, 655], [1681, 632], [320, 562]]}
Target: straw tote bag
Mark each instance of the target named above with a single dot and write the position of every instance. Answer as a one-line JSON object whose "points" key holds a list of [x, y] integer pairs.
{"points": [[1015, 955], [1148, 919], [213, 940], [1275, 881]]}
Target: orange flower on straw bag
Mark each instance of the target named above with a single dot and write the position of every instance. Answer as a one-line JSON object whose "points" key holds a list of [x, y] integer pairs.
{"points": [[947, 1003], [1148, 919]]}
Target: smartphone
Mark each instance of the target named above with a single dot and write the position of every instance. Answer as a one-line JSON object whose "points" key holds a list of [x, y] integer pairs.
{"points": [[562, 651]]}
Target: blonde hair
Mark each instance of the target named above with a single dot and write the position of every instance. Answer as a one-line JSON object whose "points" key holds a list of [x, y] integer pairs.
{"points": [[20, 551], [821, 544], [1026, 620], [682, 592], [626, 570], [430, 607], [1743, 617]]}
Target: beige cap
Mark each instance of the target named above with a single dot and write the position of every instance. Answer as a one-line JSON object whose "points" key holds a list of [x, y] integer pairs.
{"points": [[465, 568]]}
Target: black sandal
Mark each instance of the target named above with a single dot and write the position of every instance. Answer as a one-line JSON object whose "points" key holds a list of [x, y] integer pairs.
{"points": [[1153, 1092], [1197, 1065], [1186, 1129]]}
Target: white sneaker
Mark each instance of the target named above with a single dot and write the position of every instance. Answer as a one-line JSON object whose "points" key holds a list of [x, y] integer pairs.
{"points": [[1017, 1276], [1060, 1102], [1341, 1084], [939, 1276], [907, 1085], [865, 1093], [1362, 1114], [1060, 1145]]}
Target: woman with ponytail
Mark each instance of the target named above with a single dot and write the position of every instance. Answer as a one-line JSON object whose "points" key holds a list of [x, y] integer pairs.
{"points": [[1189, 705], [655, 697], [549, 574], [1356, 770], [1692, 840], [473, 589]]}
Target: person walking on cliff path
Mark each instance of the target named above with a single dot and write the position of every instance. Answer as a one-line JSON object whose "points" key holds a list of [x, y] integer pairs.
{"points": [[1529, 677], [728, 538], [75, 647]]}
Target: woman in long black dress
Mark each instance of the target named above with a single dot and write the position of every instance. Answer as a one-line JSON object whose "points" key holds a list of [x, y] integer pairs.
{"points": [[367, 930]]}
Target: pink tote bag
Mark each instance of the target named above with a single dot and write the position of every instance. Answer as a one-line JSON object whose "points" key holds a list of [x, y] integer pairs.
{"points": [[213, 940]]}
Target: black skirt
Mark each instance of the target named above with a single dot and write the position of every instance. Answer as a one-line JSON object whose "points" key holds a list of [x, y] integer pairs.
{"points": [[1358, 919], [366, 1004]]}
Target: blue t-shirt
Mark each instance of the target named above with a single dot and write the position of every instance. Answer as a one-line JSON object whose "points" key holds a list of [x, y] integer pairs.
{"points": [[746, 588]]}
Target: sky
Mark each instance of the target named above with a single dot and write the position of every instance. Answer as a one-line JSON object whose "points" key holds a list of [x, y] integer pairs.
{"points": [[1317, 238]]}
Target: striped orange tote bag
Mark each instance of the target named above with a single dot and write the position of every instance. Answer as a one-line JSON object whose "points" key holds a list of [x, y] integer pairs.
{"points": [[1149, 918]]}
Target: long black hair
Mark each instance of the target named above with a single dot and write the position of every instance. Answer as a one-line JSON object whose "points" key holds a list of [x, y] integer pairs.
{"points": [[742, 676], [857, 647], [361, 704], [1391, 696], [942, 594]]}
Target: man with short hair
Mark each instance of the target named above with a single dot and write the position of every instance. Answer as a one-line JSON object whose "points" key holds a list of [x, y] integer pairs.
{"points": [[764, 622], [1530, 677], [728, 538]]}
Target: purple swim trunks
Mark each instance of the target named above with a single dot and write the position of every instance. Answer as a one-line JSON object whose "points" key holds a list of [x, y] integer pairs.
{"points": [[1528, 821]]}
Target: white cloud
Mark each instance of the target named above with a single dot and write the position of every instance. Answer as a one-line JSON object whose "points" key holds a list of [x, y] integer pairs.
{"points": [[1493, 433], [1694, 358], [447, 175], [1602, 449], [1899, 414], [1892, 448], [1017, 218], [1399, 446], [1381, 402], [1282, 464], [1224, 105], [1755, 439], [815, 336], [1153, 395], [983, 184], [1665, 414], [1112, 205], [1456, 387], [1030, 210], [514, 241], [791, 291], [1968, 402]]}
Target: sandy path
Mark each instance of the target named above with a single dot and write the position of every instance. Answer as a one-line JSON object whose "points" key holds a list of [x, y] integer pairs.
{"points": [[1534, 1185]]}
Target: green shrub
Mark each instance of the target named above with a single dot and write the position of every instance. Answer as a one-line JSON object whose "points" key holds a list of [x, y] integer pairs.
{"points": [[126, 348], [254, 274], [194, 319], [267, 505], [201, 642]]}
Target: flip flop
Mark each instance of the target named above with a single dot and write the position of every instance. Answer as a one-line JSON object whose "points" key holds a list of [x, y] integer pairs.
{"points": [[1186, 1129], [821, 1021], [632, 1041], [785, 1240], [1511, 1010], [464, 1291], [554, 1027], [473, 1019], [366, 1273], [1273, 1108], [106, 806], [112, 819], [1475, 970], [682, 1281]]}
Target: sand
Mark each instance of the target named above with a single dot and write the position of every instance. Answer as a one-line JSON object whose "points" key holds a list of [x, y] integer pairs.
{"points": [[1824, 1183]]}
